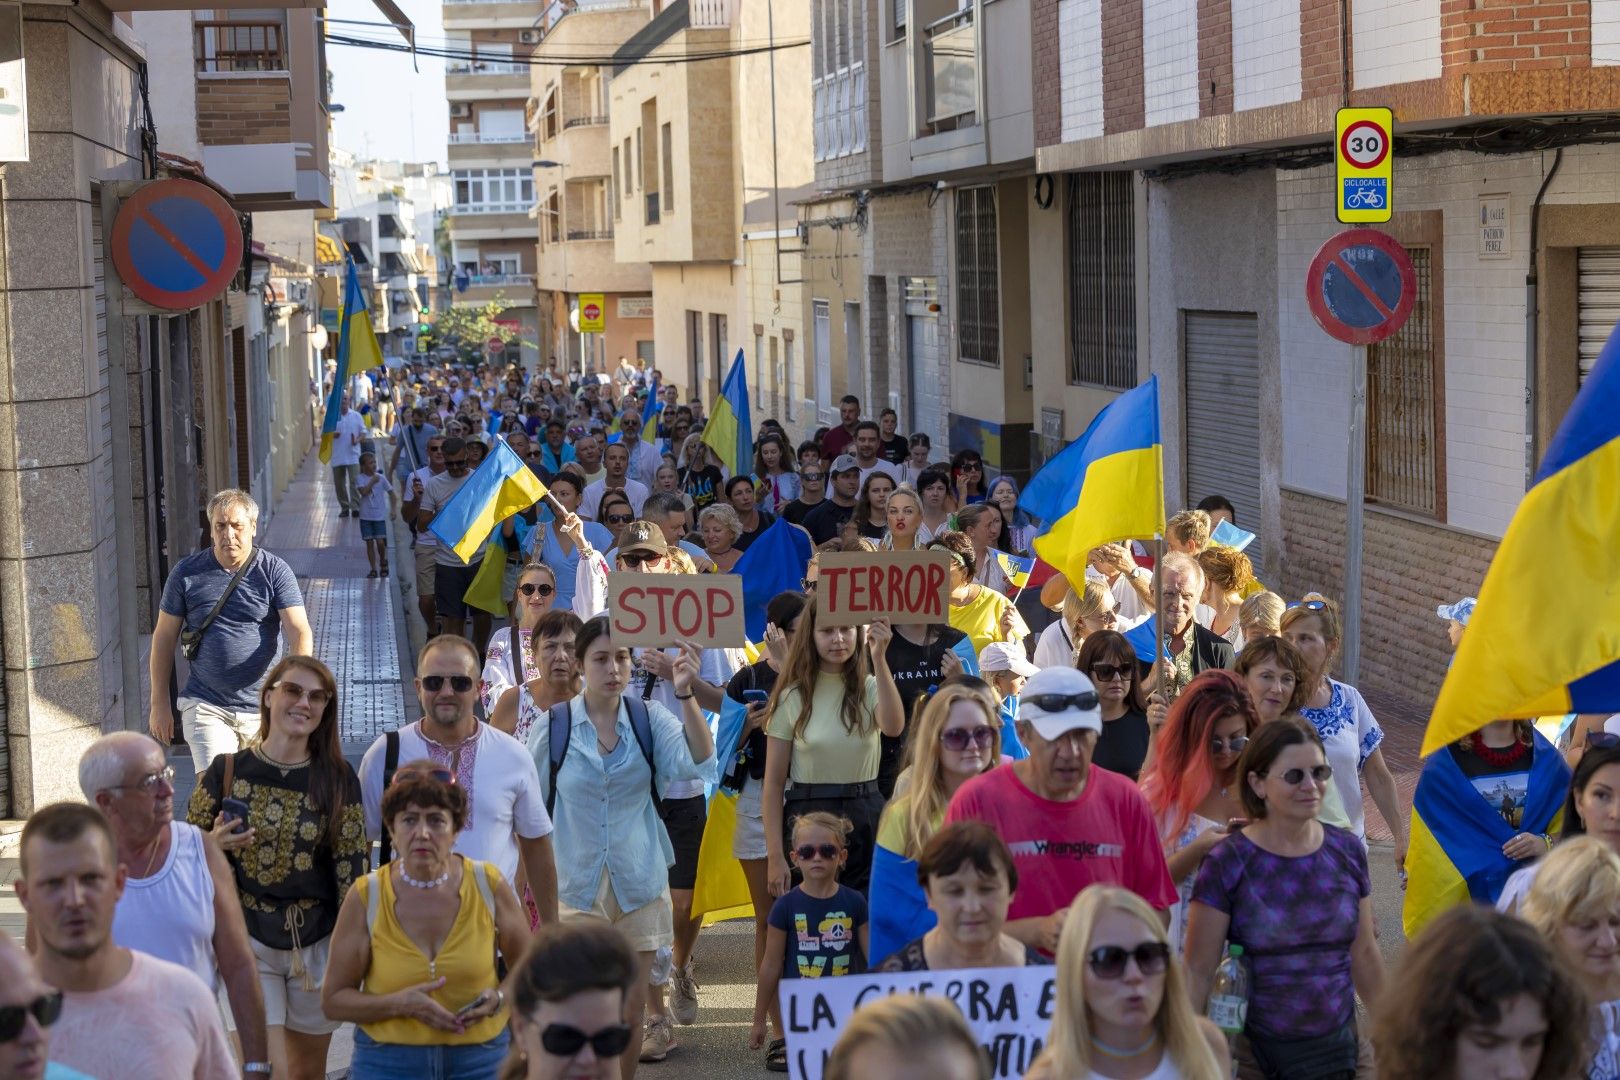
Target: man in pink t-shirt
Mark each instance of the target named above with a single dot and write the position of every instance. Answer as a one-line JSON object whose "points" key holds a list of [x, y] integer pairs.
{"points": [[124, 1013], [1069, 824]]}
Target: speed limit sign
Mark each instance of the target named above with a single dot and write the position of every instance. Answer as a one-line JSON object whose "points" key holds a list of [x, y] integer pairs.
{"points": [[1364, 167]]}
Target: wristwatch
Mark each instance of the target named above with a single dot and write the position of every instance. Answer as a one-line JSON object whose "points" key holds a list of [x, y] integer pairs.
{"points": [[257, 1067]]}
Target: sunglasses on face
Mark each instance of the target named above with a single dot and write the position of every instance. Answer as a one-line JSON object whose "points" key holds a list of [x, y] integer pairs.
{"points": [[806, 852], [461, 684], [1321, 774], [295, 693], [455, 463], [638, 558], [150, 782], [811, 477], [1233, 745], [1310, 605], [564, 1041], [1085, 701], [1108, 961], [620, 519], [13, 1018], [962, 738], [971, 466], [1110, 672], [529, 588], [438, 772]]}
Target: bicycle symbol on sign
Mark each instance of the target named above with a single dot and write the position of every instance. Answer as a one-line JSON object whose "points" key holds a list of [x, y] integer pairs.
{"points": [[1364, 199]]}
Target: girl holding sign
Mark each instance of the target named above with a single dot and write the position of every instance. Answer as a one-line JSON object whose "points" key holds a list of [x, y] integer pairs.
{"points": [[834, 696]]}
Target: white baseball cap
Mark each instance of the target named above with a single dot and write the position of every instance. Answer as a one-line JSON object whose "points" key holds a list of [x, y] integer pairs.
{"points": [[1002, 656], [1058, 700]]}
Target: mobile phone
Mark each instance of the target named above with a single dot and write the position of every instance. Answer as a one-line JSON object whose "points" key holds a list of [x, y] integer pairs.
{"points": [[755, 697], [473, 1004], [235, 809]]}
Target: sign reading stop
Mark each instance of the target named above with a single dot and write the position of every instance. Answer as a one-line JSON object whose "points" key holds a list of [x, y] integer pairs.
{"points": [[592, 314], [495, 344]]}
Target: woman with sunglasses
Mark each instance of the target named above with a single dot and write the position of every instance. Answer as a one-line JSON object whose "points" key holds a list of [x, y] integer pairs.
{"points": [[967, 478], [1083, 613], [1592, 808], [981, 613], [955, 737], [1110, 661], [507, 661], [1122, 1006], [1296, 895], [934, 488], [569, 996], [1191, 783], [294, 857], [834, 697], [1493, 795], [414, 952], [615, 511]]}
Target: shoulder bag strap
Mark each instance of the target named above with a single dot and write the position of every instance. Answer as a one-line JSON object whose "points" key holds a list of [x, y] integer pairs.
{"points": [[641, 725], [560, 730], [481, 879], [230, 777], [385, 849], [236, 579]]}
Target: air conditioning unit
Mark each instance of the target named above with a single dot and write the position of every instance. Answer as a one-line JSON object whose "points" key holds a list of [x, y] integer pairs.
{"points": [[460, 108], [529, 37]]}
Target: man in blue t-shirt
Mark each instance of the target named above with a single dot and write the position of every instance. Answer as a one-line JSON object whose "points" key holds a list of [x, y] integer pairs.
{"points": [[219, 706]]}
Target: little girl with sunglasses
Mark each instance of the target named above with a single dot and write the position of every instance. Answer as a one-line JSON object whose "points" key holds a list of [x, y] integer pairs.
{"points": [[817, 929]]}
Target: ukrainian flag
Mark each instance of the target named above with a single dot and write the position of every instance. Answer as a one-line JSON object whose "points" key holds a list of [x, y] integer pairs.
{"points": [[500, 487], [1545, 637], [1456, 848], [1107, 485], [649, 415], [730, 431], [357, 350], [774, 563], [1016, 567]]}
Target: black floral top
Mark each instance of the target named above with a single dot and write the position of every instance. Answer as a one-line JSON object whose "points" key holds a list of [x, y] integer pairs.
{"points": [[290, 881]]}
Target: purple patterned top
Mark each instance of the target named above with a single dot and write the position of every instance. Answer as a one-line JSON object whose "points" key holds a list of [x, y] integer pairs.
{"points": [[1296, 919]]}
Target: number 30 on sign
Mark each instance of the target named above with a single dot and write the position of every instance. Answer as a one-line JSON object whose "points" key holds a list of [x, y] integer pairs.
{"points": [[1363, 175]]}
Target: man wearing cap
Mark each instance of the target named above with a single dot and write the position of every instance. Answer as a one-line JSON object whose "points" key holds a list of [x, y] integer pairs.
{"points": [[1006, 669], [826, 521], [1068, 825]]}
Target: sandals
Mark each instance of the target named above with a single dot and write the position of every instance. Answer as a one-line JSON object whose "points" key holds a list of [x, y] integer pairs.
{"points": [[372, 574], [776, 1056]]}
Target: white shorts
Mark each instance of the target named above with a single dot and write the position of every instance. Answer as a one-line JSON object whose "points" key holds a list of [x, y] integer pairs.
{"points": [[211, 730], [648, 928], [287, 1001], [748, 841]]}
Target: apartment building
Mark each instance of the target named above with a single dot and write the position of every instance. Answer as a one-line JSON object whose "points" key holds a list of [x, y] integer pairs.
{"points": [[490, 228], [578, 170], [1187, 145], [378, 220], [712, 155]]}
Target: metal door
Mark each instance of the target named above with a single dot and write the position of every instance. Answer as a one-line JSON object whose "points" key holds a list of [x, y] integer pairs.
{"points": [[1598, 298]]}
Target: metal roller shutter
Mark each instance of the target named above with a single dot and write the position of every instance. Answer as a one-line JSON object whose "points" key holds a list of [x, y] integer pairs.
{"points": [[1222, 365], [1599, 301]]}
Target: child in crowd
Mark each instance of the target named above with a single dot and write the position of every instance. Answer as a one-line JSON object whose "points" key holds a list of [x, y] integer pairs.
{"points": [[374, 488], [1004, 667], [816, 929]]}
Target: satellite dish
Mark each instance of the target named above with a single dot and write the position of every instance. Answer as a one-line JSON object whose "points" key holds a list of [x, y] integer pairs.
{"points": [[318, 338]]}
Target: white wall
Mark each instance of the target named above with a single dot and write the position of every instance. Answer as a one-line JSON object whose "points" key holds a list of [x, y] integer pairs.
{"points": [[1080, 64], [171, 74], [1265, 53], [1170, 60], [1394, 41], [1605, 32]]}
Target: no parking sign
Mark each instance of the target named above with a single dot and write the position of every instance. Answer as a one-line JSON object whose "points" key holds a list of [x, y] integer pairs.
{"points": [[176, 243]]}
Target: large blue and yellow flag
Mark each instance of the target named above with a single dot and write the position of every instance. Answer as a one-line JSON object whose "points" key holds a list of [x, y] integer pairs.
{"points": [[721, 891], [357, 350], [1457, 833], [500, 487], [774, 563], [1107, 485], [1545, 635], [730, 431], [649, 413]]}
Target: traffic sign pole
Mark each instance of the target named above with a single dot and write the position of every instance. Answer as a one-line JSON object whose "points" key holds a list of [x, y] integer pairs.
{"points": [[1355, 498]]}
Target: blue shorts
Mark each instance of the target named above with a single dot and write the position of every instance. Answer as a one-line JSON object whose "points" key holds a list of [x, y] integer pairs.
{"points": [[396, 1061], [373, 530]]}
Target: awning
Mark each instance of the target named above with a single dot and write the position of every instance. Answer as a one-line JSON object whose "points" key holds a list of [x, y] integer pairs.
{"points": [[401, 21]]}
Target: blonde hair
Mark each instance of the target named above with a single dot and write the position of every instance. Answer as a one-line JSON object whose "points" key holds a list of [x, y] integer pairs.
{"points": [[839, 826], [1579, 879], [922, 807], [1228, 569], [1262, 611], [681, 559], [1088, 603], [910, 1024], [1068, 1047], [1327, 617], [725, 515], [1190, 527]]}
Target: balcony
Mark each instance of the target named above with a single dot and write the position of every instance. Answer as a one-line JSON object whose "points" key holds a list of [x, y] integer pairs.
{"points": [[490, 208], [590, 234], [951, 70], [469, 138], [485, 67], [584, 121], [236, 47], [712, 14], [484, 280]]}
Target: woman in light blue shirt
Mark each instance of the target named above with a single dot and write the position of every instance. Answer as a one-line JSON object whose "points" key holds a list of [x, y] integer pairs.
{"points": [[613, 852], [546, 542]]}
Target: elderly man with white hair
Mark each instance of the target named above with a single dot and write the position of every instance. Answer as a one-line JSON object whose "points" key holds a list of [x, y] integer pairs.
{"points": [[180, 902], [1185, 648]]}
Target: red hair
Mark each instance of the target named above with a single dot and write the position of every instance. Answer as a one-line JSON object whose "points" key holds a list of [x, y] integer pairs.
{"points": [[1181, 773]]}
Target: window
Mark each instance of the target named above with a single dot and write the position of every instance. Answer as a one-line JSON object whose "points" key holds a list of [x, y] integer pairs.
{"points": [[493, 191], [900, 8], [665, 143], [613, 190], [1102, 280], [629, 168], [1403, 463], [978, 300]]}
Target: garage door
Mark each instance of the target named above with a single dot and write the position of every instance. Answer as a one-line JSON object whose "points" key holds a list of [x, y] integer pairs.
{"points": [[1222, 365], [1599, 300]]}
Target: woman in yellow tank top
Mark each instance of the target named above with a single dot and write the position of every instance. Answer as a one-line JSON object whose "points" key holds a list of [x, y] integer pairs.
{"points": [[413, 959]]}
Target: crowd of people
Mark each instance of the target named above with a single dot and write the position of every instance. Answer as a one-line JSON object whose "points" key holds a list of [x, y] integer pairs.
{"points": [[506, 886]]}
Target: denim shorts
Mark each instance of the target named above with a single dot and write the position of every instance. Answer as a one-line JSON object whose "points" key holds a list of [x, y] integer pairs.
{"points": [[397, 1061], [373, 530]]}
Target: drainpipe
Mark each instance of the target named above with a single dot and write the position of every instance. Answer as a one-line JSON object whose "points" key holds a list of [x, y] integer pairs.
{"points": [[1531, 325]]}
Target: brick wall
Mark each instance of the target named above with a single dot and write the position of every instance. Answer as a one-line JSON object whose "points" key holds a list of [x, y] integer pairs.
{"points": [[1214, 57], [1124, 105], [237, 112], [1515, 37], [1320, 59], [1408, 569], [1043, 20]]}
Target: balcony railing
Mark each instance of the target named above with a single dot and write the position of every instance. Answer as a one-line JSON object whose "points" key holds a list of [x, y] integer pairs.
{"points": [[652, 207], [711, 14], [240, 46], [485, 67], [490, 208], [500, 279], [584, 121], [556, 9], [590, 234], [952, 70], [463, 138]]}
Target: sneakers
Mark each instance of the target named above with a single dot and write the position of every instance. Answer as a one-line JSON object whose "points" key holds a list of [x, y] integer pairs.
{"points": [[683, 1002], [657, 1038]]}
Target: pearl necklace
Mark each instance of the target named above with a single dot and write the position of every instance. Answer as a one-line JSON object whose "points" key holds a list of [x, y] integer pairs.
{"points": [[415, 884]]}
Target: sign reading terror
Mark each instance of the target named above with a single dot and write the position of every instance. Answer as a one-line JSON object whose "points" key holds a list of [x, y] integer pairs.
{"points": [[855, 588], [663, 609], [1009, 1009]]}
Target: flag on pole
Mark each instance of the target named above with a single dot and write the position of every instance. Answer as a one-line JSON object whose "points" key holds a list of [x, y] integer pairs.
{"points": [[1561, 653], [1107, 485], [500, 487], [649, 414], [357, 350], [730, 431], [1015, 567]]}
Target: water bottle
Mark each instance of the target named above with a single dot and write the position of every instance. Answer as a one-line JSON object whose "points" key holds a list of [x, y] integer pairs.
{"points": [[1229, 997]]}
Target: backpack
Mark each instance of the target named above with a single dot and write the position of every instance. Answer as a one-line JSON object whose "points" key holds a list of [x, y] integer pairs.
{"points": [[561, 731]]}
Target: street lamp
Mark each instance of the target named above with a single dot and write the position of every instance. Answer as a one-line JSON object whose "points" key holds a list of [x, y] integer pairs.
{"points": [[562, 239]]}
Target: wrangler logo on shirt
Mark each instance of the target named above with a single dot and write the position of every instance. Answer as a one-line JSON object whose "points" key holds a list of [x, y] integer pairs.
{"points": [[1067, 849]]}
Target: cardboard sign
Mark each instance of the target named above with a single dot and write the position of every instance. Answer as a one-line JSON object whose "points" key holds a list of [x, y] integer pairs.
{"points": [[853, 588], [663, 609], [1009, 1009]]}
